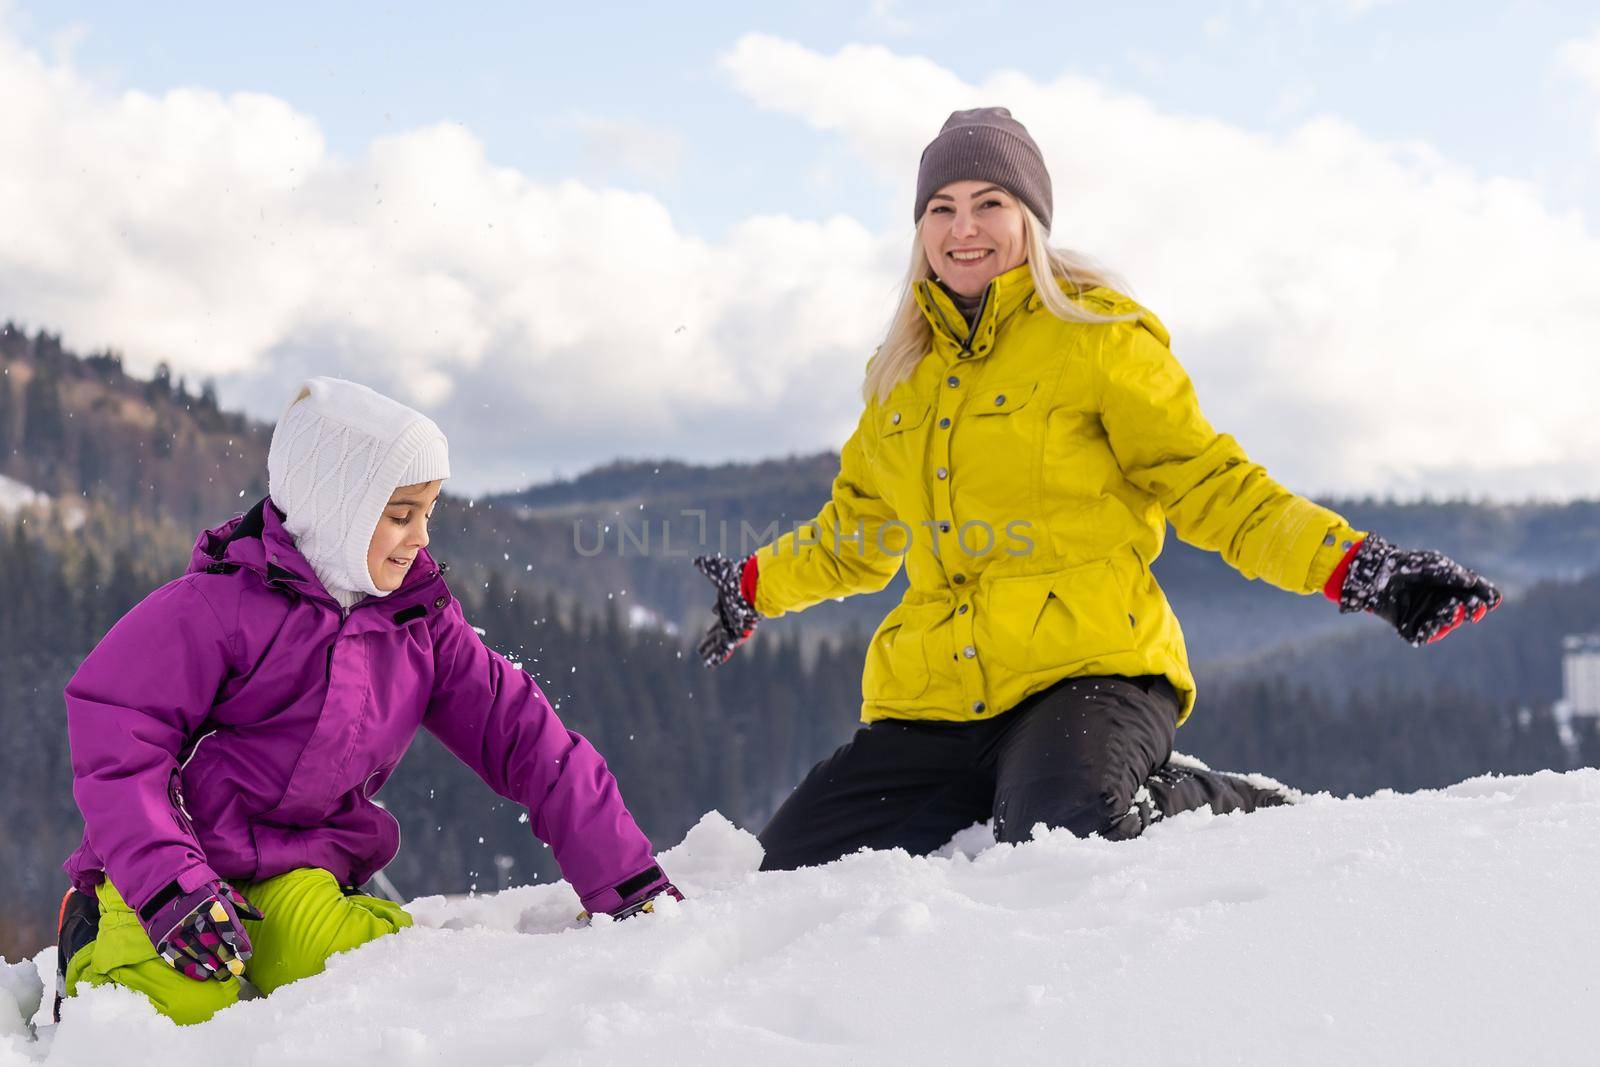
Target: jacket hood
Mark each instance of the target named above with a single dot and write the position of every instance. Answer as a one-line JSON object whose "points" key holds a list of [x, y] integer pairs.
{"points": [[258, 541]]}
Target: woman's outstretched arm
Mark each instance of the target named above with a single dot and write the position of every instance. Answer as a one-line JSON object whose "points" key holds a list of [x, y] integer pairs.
{"points": [[1215, 497], [854, 545]]}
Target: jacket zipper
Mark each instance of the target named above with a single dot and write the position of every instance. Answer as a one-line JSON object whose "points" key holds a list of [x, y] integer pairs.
{"points": [[972, 330], [175, 795], [366, 794], [972, 327]]}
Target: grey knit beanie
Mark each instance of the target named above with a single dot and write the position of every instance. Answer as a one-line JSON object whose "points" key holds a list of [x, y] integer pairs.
{"points": [[986, 144]]}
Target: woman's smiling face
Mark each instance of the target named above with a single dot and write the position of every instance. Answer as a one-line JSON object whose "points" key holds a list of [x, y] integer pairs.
{"points": [[973, 232], [402, 532]]}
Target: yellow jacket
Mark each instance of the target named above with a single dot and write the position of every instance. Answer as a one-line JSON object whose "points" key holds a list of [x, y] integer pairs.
{"points": [[1026, 481]]}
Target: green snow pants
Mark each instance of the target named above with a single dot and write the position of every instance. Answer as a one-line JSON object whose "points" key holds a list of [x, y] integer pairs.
{"points": [[308, 919]]}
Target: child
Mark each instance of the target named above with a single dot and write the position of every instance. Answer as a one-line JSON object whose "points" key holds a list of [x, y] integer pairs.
{"points": [[229, 733]]}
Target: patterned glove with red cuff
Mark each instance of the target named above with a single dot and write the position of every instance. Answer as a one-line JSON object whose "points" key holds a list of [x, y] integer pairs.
{"points": [[1422, 594], [201, 933], [736, 614]]}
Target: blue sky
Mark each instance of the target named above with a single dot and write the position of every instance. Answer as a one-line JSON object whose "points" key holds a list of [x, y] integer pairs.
{"points": [[597, 231]]}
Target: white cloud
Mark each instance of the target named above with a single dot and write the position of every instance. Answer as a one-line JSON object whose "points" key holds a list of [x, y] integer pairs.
{"points": [[1580, 60], [1363, 315], [1361, 7], [649, 151], [1292, 101], [883, 17], [545, 325]]}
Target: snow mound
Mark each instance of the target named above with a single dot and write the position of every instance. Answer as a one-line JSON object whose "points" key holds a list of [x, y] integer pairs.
{"points": [[1445, 926], [21, 991]]}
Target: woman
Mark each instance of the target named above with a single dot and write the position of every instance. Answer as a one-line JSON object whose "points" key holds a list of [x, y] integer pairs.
{"points": [[229, 733], [1026, 439]]}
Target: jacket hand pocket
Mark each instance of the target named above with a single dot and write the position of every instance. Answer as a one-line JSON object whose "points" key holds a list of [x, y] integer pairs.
{"points": [[1052, 621], [897, 663]]}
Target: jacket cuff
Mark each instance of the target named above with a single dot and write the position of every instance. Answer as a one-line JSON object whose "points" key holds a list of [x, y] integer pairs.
{"points": [[749, 575], [642, 886], [766, 602], [1334, 586], [137, 892], [152, 900]]}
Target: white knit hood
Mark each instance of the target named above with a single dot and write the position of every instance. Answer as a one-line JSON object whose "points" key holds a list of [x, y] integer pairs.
{"points": [[337, 455]]}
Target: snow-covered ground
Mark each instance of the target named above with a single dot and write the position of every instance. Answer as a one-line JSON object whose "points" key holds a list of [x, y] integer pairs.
{"points": [[1458, 926], [15, 495]]}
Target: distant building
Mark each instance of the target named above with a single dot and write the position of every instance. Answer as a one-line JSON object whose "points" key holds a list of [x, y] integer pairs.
{"points": [[1580, 673]]}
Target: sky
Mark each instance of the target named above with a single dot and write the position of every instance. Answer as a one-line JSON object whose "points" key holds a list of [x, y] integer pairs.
{"points": [[604, 231]]}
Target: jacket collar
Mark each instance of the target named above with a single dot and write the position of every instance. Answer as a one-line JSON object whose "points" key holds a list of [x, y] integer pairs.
{"points": [[257, 541], [1004, 296]]}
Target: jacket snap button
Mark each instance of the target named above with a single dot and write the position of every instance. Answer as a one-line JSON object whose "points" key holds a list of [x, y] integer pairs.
{"points": [[954, 381], [944, 424], [942, 473], [944, 527], [896, 418], [969, 652], [438, 605], [960, 579], [962, 610], [1000, 401], [978, 706]]}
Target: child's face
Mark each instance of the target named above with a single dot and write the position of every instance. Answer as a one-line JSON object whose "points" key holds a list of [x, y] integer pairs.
{"points": [[402, 531]]}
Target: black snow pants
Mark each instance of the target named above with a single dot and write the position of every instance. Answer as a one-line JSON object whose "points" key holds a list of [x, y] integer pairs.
{"points": [[1088, 754]]}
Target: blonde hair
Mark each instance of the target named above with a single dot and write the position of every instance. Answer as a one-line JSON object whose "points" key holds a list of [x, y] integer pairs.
{"points": [[910, 336]]}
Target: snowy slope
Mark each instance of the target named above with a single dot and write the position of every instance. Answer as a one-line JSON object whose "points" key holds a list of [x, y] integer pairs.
{"points": [[1457, 926]]}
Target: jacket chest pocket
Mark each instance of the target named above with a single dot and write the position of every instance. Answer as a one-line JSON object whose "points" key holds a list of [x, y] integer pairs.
{"points": [[995, 444], [1079, 466], [899, 453]]}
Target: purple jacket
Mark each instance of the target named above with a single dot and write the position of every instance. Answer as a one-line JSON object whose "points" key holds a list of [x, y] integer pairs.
{"points": [[235, 724]]}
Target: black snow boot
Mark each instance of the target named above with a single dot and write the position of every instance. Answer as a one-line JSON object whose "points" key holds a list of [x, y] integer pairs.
{"points": [[1184, 783], [78, 926]]}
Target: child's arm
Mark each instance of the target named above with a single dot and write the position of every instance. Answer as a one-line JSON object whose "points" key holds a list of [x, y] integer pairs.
{"points": [[495, 719], [134, 701]]}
